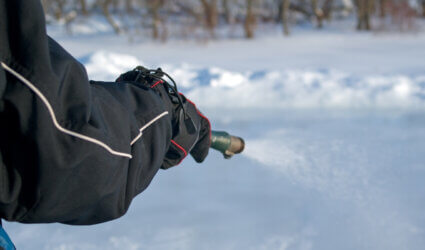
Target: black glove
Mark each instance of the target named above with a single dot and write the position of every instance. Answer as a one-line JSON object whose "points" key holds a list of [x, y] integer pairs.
{"points": [[191, 129]]}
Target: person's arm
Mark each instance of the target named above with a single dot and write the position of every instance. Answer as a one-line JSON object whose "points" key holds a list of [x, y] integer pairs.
{"points": [[72, 151]]}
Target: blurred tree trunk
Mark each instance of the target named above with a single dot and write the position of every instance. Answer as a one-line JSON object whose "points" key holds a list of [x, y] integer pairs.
{"points": [[284, 11], [382, 12], [226, 9], [115, 4], [423, 7], [154, 7], [105, 9], [46, 5], [129, 6], [60, 4], [301, 7], [188, 10], [364, 12], [250, 21], [327, 9], [322, 13], [83, 6], [210, 14], [318, 13]]}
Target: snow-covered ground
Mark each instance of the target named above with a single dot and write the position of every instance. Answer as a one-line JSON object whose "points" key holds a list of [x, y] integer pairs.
{"points": [[335, 159]]}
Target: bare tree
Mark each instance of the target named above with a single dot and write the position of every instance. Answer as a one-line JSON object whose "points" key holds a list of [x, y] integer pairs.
{"points": [[250, 19], [422, 4], [193, 16], [321, 12], [301, 7], [83, 6], [318, 13], [105, 9], [154, 7], [186, 9], [59, 9], [401, 15], [115, 4], [129, 6], [327, 9], [46, 6], [284, 5], [382, 6], [226, 10], [210, 14], [364, 12]]}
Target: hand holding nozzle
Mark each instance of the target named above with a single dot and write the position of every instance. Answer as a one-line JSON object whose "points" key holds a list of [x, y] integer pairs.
{"points": [[227, 144]]}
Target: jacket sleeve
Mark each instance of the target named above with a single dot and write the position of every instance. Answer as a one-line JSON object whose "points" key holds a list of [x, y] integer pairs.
{"points": [[72, 151]]}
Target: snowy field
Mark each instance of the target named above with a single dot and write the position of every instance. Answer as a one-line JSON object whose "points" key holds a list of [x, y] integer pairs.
{"points": [[335, 159]]}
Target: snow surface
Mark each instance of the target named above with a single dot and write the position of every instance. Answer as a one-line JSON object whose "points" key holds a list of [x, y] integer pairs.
{"points": [[335, 146]]}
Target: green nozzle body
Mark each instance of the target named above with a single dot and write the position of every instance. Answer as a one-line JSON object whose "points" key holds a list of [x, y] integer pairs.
{"points": [[226, 143]]}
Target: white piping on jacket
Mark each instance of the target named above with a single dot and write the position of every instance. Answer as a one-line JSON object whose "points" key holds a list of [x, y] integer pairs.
{"points": [[69, 132], [147, 125]]}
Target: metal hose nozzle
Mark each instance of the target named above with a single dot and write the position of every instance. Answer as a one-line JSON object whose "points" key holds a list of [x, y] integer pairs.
{"points": [[227, 144]]}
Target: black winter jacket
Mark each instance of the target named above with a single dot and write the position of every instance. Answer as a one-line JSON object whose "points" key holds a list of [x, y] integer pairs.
{"points": [[72, 151]]}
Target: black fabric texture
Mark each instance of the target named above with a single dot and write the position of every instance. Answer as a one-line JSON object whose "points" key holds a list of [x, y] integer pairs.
{"points": [[191, 129], [47, 175], [197, 144]]}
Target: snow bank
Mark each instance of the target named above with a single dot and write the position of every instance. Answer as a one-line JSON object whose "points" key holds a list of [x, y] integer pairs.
{"points": [[108, 66], [294, 89]]}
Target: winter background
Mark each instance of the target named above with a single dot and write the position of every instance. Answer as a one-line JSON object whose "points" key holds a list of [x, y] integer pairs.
{"points": [[334, 126]]}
